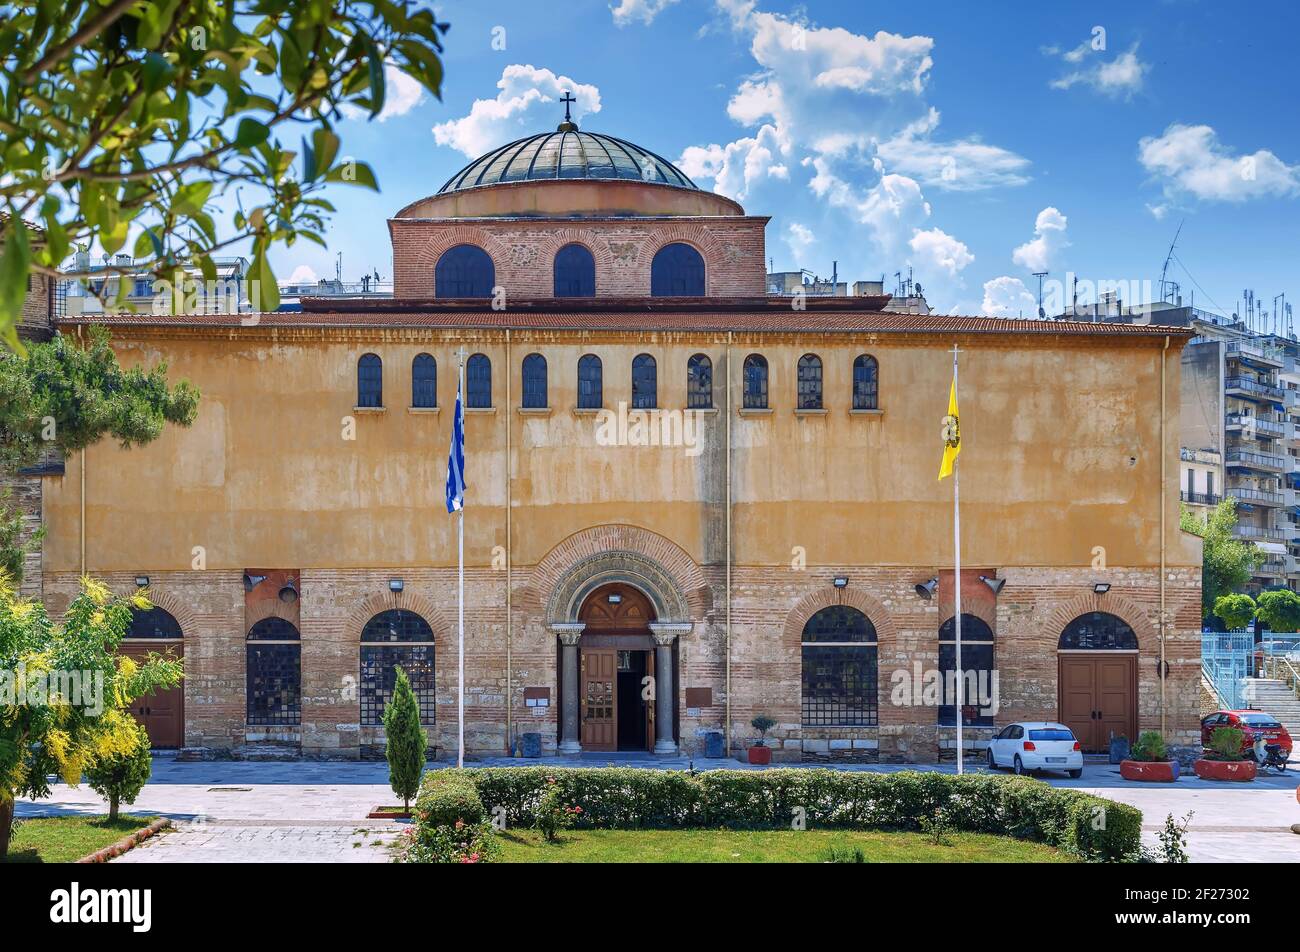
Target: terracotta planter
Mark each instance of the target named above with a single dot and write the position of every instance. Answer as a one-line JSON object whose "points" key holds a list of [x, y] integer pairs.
{"points": [[1157, 771], [1225, 769], [760, 756]]}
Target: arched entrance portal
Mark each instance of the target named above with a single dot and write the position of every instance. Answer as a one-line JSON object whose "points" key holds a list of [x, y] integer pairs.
{"points": [[1097, 679], [617, 666]]}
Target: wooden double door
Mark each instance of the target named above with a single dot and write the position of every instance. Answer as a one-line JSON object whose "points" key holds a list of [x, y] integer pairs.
{"points": [[162, 713], [1098, 696], [617, 711]]}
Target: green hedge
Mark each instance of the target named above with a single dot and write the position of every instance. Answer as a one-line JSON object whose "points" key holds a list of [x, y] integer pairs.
{"points": [[447, 796], [632, 798]]}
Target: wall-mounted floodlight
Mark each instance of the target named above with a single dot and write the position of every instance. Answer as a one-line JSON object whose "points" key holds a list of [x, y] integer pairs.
{"points": [[142, 581], [396, 585], [841, 581], [1101, 588]]}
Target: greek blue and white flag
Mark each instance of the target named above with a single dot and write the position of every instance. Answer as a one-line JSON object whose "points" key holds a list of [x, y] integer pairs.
{"points": [[456, 460]]}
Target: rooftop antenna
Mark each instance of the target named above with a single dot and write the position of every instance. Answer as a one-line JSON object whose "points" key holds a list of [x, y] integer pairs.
{"points": [[898, 275], [1279, 313], [1165, 270], [1040, 275], [338, 268]]}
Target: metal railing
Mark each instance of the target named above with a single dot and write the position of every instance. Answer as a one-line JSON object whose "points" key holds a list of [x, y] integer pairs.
{"points": [[1226, 661], [1251, 385], [1262, 496], [1257, 460], [1200, 499], [1259, 532]]}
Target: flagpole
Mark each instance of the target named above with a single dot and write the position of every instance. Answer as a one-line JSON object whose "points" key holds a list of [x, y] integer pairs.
{"points": [[460, 602], [956, 543]]}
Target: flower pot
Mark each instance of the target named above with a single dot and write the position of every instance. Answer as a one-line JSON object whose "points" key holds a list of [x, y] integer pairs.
{"points": [[760, 755], [1158, 771], [1241, 770]]}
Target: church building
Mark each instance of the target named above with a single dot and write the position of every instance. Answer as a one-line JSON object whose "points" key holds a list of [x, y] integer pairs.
{"points": [[689, 502]]}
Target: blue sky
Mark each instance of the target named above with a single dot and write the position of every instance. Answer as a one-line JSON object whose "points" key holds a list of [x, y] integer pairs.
{"points": [[976, 142]]}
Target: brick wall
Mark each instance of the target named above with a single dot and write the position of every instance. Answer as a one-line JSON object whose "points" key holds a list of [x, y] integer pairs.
{"points": [[770, 606], [523, 252]]}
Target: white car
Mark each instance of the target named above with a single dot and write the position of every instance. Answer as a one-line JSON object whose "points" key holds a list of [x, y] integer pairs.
{"points": [[1036, 745]]}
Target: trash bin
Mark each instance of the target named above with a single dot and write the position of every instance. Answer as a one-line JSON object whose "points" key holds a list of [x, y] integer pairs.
{"points": [[713, 746], [532, 744]]}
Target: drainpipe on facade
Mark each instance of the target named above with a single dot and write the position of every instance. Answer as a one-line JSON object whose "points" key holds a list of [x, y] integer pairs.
{"points": [[729, 387], [1163, 507], [510, 697]]}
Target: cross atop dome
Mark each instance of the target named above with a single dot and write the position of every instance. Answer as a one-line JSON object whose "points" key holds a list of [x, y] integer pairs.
{"points": [[568, 125]]}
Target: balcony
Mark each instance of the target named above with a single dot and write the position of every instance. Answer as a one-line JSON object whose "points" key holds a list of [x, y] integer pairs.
{"points": [[1251, 389], [1200, 499], [1257, 497], [1271, 568], [1259, 534], [1264, 462], [1267, 426], [1253, 355]]}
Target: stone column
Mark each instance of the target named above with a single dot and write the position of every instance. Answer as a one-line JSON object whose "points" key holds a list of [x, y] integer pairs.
{"points": [[665, 697], [570, 633]]}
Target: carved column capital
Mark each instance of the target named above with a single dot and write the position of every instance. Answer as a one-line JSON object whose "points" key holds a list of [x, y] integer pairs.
{"points": [[569, 632], [664, 632]]}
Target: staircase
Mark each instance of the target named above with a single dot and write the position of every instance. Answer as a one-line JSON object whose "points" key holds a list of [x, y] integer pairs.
{"points": [[1276, 698]]}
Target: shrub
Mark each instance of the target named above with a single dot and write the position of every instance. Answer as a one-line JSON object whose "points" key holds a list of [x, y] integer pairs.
{"points": [[844, 854], [1150, 747], [762, 723], [1225, 744], [405, 740], [447, 797], [553, 814], [451, 825], [629, 798], [119, 777]]}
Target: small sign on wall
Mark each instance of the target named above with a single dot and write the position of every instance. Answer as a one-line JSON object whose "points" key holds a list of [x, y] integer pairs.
{"points": [[539, 699], [699, 697]]}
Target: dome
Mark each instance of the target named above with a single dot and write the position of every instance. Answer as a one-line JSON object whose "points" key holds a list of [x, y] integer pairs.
{"points": [[564, 154]]}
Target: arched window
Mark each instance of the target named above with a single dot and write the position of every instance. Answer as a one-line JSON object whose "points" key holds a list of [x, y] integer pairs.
{"points": [[424, 381], [590, 390], [478, 381], [153, 623], [465, 271], [645, 383], [979, 693], [677, 271], [370, 381], [274, 672], [575, 272], [866, 383], [535, 382], [699, 383], [394, 638], [755, 397], [810, 382], [840, 681], [1098, 631]]}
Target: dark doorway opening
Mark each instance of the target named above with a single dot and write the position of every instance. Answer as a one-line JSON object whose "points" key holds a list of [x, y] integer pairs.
{"points": [[632, 707]]}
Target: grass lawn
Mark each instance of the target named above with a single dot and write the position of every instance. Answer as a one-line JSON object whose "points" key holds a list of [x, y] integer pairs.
{"points": [[766, 846], [65, 839]]}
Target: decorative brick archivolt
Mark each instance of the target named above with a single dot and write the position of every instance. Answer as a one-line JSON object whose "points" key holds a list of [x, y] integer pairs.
{"points": [[1136, 616], [584, 561], [828, 596], [985, 611], [421, 275], [270, 608], [174, 606], [552, 241], [699, 238], [407, 600]]}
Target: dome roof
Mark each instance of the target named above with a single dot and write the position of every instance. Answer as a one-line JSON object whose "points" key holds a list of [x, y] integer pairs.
{"points": [[567, 153]]}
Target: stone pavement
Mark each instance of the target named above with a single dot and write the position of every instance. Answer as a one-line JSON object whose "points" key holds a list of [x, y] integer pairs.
{"points": [[310, 811]]}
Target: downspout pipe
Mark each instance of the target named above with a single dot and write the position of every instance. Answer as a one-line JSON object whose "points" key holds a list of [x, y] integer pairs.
{"points": [[730, 385], [1164, 506], [510, 470]]}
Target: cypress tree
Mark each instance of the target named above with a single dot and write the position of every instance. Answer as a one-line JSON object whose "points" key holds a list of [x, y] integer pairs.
{"points": [[406, 740]]}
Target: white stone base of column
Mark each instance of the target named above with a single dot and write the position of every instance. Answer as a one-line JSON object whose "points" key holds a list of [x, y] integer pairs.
{"points": [[569, 747], [664, 748]]}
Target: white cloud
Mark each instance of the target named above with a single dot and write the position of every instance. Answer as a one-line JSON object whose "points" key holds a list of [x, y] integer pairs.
{"points": [[1008, 297], [940, 252], [962, 165], [402, 93], [800, 238], [736, 167], [643, 10], [1118, 78], [893, 208], [1158, 212], [1039, 253], [303, 274], [1191, 159], [527, 103]]}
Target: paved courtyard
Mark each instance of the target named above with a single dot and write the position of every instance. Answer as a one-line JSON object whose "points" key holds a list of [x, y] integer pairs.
{"points": [[315, 812]]}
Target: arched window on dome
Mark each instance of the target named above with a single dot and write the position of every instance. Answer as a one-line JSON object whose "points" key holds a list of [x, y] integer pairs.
{"points": [[677, 271], [465, 271], [575, 272]]}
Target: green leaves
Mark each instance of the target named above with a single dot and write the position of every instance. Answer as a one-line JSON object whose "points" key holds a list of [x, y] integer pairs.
{"points": [[262, 286], [250, 133], [14, 264]]}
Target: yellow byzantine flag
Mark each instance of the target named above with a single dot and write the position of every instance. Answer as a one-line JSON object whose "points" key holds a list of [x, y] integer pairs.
{"points": [[951, 432]]}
